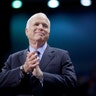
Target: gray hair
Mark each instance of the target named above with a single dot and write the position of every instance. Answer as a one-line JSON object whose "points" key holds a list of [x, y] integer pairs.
{"points": [[43, 14]]}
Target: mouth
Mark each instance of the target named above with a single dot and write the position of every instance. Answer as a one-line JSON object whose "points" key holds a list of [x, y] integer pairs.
{"points": [[40, 33]]}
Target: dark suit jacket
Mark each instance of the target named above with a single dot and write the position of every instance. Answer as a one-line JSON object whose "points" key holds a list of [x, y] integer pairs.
{"points": [[59, 75]]}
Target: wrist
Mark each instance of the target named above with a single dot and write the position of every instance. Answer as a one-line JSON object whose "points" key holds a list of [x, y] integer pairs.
{"points": [[22, 69], [40, 76]]}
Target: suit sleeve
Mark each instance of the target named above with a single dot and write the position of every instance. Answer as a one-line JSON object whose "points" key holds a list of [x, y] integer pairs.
{"points": [[9, 76]]}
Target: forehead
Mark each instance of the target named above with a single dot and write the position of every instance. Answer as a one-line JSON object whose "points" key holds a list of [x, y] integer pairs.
{"points": [[39, 18], [39, 15]]}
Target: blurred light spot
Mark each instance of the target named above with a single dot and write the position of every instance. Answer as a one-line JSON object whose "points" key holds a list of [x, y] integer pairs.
{"points": [[16, 4], [86, 2], [53, 3]]}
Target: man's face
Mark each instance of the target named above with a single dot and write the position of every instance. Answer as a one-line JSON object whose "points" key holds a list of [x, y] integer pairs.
{"points": [[38, 29]]}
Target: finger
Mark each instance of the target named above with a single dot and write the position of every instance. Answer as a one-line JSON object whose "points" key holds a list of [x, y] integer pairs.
{"points": [[34, 65], [34, 61], [31, 56]]}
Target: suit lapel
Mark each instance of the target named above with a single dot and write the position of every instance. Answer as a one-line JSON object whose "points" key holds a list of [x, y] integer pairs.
{"points": [[46, 58]]}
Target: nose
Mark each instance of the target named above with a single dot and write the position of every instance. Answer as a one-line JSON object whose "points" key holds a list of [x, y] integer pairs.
{"points": [[40, 26]]}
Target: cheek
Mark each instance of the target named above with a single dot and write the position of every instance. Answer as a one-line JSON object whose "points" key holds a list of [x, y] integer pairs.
{"points": [[30, 35], [48, 34]]}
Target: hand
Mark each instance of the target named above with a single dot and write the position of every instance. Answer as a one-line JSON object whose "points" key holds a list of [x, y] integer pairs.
{"points": [[37, 72], [31, 62]]}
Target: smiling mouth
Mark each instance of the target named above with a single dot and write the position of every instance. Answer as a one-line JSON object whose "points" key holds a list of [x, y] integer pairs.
{"points": [[41, 33]]}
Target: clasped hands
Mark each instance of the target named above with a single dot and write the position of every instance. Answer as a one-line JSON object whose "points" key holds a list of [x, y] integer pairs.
{"points": [[32, 65]]}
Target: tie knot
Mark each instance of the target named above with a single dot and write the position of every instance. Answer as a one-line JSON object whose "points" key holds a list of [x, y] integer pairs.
{"points": [[38, 53]]}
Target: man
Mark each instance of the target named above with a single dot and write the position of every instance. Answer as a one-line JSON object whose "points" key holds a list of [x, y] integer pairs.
{"points": [[39, 70]]}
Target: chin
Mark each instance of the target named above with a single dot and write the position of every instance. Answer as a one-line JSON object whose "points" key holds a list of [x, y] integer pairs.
{"points": [[39, 39]]}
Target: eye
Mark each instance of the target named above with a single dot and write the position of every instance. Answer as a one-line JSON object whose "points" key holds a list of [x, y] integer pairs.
{"points": [[36, 24], [45, 25]]}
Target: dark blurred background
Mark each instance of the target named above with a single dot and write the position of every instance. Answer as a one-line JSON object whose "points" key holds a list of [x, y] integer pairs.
{"points": [[73, 27]]}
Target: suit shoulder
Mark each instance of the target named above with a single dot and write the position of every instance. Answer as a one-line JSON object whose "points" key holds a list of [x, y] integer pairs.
{"points": [[59, 50], [19, 52]]}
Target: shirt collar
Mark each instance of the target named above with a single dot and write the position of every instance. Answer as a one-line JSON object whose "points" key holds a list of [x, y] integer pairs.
{"points": [[41, 49]]}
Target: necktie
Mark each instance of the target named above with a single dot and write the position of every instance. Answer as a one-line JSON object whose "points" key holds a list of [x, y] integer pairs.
{"points": [[38, 53]]}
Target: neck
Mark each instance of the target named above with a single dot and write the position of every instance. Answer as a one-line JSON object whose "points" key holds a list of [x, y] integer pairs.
{"points": [[36, 45]]}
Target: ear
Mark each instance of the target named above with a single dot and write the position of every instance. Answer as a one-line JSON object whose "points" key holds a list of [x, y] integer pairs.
{"points": [[26, 31]]}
